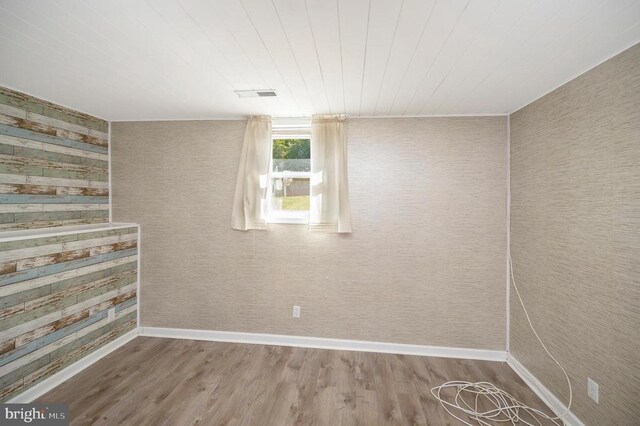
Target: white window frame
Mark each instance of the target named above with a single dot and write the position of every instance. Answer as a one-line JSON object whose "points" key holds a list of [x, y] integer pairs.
{"points": [[290, 128]]}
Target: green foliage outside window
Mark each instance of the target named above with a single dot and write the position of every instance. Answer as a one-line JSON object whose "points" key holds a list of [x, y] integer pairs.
{"points": [[290, 149]]}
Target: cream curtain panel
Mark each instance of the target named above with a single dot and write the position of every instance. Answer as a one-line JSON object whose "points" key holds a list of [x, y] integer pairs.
{"points": [[250, 200], [329, 210]]}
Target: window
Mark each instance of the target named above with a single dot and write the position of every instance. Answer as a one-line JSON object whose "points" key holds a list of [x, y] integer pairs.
{"points": [[289, 189]]}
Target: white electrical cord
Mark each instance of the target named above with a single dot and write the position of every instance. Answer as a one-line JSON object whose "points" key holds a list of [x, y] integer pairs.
{"points": [[469, 395]]}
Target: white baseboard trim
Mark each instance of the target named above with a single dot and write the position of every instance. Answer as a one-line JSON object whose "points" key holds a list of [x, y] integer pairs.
{"points": [[543, 393], [324, 343], [63, 375]]}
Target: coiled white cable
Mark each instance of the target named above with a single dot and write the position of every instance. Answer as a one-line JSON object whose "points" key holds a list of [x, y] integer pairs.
{"points": [[470, 396]]}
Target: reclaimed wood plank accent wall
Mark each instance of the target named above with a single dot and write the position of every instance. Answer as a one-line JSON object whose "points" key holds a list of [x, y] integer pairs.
{"points": [[56, 294], [54, 164]]}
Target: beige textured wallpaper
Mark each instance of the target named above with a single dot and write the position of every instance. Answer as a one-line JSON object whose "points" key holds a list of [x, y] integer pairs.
{"points": [[425, 263], [575, 237]]}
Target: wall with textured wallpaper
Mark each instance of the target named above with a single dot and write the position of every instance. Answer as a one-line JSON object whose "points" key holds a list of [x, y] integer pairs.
{"points": [[425, 263], [55, 296], [54, 168], [575, 237]]}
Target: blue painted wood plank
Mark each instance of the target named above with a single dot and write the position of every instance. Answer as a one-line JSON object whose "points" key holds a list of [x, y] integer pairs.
{"points": [[43, 271], [51, 199], [50, 338], [55, 140], [74, 264], [16, 277], [126, 304]]}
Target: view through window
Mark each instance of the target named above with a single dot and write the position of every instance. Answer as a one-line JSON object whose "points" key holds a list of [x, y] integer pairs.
{"points": [[290, 178]]}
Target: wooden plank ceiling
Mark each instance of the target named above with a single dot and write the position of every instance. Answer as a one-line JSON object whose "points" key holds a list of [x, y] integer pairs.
{"points": [[182, 59]]}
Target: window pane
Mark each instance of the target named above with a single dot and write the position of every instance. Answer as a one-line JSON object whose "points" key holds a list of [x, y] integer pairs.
{"points": [[291, 155], [290, 194]]}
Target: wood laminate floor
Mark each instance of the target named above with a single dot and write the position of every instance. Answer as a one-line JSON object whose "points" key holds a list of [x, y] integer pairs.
{"points": [[153, 381]]}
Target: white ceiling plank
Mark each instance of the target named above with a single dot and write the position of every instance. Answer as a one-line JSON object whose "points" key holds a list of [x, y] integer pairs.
{"points": [[55, 33], [31, 59], [414, 18], [441, 24], [150, 56], [605, 18], [233, 23], [529, 67], [63, 45], [508, 13], [383, 24], [475, 19], [323, 17], [499, 60], [137, 59], [182, 59], [262, 16], [615, 27], [292, 16], [354, 17], [173, 20]]}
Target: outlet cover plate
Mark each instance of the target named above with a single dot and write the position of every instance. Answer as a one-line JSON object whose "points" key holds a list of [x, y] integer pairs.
{"points": [[296, 311], [592, 389]]}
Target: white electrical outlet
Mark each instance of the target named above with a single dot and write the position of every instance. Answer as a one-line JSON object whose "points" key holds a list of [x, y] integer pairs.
{"points": [[296, 311], [592, 389], [111, 314]]}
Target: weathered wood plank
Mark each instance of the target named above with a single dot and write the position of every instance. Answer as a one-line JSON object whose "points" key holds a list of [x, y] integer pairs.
{"points": [[66, 174], [125, 245], [57, 330], [18, 169], [6, 149], [99, 215], [50, 259], [20, 253], [13, 111], [61, 124], [23, 371], [62, 323], [22, 208], [62, 281], [49, 181], [51, 199], [37, 242], [8, 267], [52, 273], [45, 155], [27, 321], [7, 346], [53, 307], [21, 298], [109, 232], [48, 109], [13, 179], [26, 143], [55, 140], [51, 347], [7, 218], [93, 242], [23, 123], [95, 276], [17, 188], [89, 248], [46, 164], [95, 342], [49, 121], [27, 189], [10, 318]]}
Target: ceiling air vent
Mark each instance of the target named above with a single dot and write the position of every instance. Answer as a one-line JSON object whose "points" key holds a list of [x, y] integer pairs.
{"points": [[260, 93]]}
